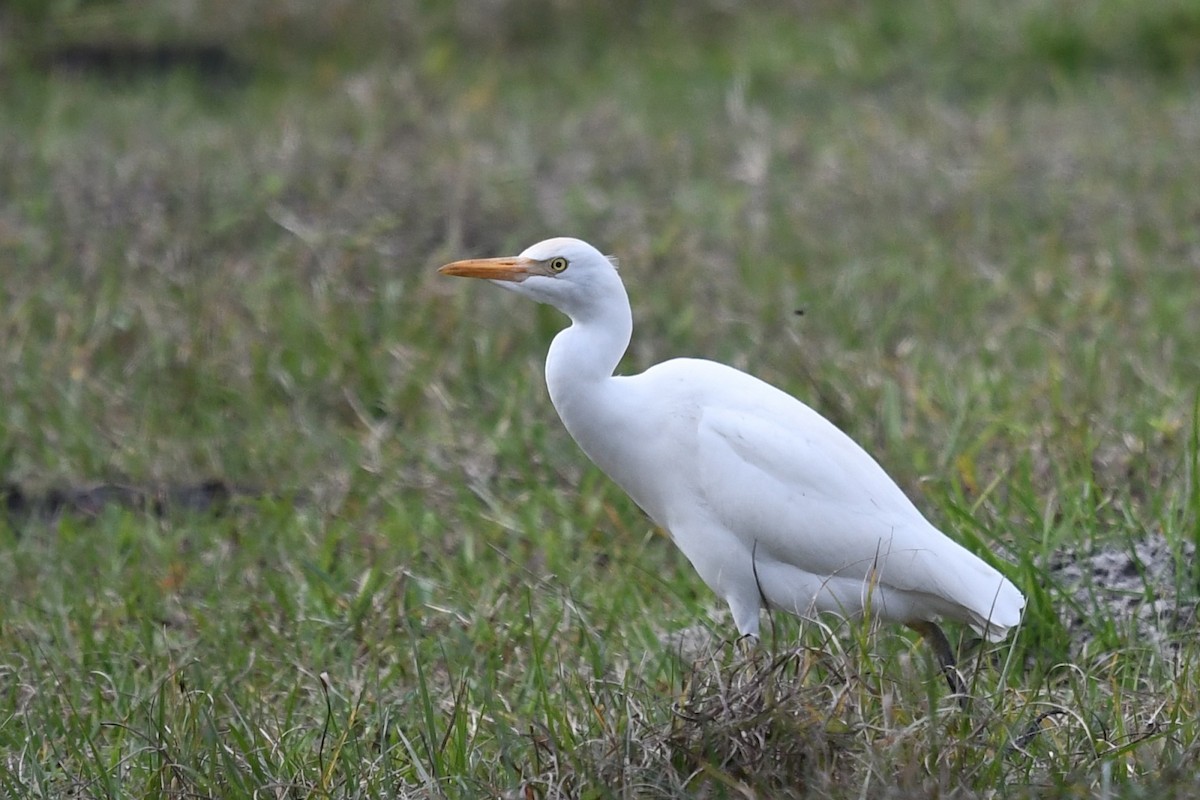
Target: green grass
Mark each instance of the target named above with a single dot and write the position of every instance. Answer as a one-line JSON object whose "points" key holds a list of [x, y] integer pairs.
{"points": [[989, 220]]}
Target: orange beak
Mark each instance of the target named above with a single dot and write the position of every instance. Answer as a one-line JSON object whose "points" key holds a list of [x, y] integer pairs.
{"points": [[514, 268]]}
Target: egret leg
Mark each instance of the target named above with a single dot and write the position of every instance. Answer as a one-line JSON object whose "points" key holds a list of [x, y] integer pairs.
{"points": [[747, 644], [942, 651]]}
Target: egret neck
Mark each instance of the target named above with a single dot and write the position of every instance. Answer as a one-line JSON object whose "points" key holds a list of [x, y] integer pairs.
{"points": [[583, 357], [607, 416]]}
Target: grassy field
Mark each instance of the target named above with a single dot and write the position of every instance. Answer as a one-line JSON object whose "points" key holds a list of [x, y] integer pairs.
{"points": [[219, 225]]}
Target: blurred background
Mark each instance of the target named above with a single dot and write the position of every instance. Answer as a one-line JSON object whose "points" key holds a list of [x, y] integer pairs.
{"points": [[969, 237], [237, 205], [966, 232]]}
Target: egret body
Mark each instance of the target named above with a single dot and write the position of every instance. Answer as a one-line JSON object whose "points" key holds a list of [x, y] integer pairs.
{"points": [[770, 502]]}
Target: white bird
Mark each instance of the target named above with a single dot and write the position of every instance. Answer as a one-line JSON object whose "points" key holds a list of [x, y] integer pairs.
{"points": [[771, 503]]}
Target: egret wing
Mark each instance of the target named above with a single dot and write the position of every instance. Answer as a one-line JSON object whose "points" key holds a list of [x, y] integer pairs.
{"points": [[798, 490]]}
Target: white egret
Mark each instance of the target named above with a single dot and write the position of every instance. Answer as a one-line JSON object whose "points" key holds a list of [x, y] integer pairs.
{"points": [[770, 502]]}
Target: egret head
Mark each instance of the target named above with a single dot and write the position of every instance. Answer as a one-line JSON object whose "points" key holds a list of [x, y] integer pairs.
{"points": [[569, 274]]}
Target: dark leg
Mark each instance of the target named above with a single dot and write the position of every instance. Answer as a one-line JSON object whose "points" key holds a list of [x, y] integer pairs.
{"points": [[940, 645], [747, 643]]}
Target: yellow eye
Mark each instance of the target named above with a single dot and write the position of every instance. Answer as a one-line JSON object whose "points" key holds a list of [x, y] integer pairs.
{"points": [[558, 264]]}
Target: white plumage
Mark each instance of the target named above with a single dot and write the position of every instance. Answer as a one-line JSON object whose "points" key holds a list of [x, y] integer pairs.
{"points": [[766, 498]]}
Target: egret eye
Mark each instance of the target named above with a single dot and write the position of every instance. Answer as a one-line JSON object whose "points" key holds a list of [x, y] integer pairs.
{"points": [[557, 264]]}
